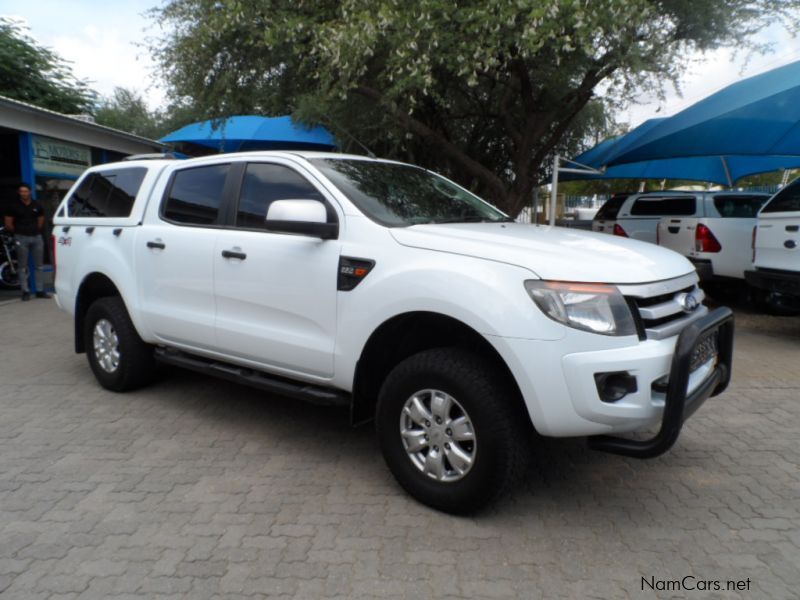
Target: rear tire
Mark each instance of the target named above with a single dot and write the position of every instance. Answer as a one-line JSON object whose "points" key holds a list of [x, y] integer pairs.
{"points": [[9, 279], [119, 359], [439, 465]]}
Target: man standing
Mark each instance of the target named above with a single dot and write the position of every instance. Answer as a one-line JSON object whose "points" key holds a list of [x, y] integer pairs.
{"points": [[26, 221]]}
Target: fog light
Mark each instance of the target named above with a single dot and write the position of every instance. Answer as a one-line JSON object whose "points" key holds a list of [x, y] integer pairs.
{"points": [[661, 385], [615, 385]]}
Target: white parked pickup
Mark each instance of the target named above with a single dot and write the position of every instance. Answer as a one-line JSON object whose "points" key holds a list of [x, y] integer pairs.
{"points": [[391, 290], [719, 243], [776, 252]]}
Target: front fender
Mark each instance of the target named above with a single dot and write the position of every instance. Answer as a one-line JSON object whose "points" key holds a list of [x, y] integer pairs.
{"points": [[485, 295]]}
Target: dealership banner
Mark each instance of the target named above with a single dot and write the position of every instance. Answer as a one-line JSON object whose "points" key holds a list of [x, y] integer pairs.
{"points": [[54, 157]]}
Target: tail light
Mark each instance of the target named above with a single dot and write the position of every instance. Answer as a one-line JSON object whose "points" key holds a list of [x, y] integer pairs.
{"points": [[618, 230], [704, 240], [753, 243]]}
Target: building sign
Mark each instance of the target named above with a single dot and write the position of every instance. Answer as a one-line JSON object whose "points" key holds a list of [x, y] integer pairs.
{"points": [[54, 157]]}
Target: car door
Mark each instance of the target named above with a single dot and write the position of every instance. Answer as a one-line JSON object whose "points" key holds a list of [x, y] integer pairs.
{"points": [[276, 292], [174, 255], [778, 236]]}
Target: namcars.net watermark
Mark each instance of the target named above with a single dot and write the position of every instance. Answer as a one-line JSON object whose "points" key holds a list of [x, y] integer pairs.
{"points": [[690, 583]]}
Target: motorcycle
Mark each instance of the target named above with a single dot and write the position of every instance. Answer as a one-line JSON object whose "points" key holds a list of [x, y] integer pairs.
{"points": [[9, 269]]}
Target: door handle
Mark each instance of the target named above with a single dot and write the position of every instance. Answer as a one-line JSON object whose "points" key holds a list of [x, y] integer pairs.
{"points": [[233, 254], [158, 245]]}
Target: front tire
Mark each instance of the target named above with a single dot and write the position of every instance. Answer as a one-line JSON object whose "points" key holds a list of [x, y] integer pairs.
{"points": [[452, 429], [119, 359]]}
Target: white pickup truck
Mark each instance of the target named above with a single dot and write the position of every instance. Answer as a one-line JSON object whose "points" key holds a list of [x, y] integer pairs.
{"points": [[776, 252], [718, 242], [387, 288]]}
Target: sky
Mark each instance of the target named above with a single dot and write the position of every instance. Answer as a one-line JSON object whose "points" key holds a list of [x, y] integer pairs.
{"points": [[103, 40]]}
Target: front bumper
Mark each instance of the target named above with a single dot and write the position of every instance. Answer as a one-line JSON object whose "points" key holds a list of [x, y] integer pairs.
{"points": [[679, 404], [560, 391], [774, 280]]}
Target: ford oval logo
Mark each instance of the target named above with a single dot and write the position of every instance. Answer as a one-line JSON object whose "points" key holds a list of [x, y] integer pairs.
{"points": [[790, 244], [688, 302]]}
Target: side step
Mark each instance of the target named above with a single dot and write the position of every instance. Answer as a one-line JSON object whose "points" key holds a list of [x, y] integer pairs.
{"points": [[314, 394]]}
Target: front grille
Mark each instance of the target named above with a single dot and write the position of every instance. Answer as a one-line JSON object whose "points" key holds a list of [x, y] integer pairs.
{"points": [[661, 298], [657, 308]]}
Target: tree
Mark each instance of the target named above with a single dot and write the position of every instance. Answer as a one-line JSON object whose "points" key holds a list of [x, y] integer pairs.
{"points": [[482, 91], [35, 74], [126, 110]]}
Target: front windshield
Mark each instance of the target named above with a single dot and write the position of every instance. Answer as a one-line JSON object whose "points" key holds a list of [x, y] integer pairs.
{"points": [[398, 195]]}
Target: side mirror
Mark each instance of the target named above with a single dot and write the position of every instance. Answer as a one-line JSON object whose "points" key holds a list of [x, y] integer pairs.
{"points": [[304, 217]]}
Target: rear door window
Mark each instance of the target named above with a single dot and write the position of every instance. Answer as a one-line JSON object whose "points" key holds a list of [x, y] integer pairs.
{"points": [[107, 193], [195, 195], [787, 200], [739, 206], [610, 209], [656, 206]]}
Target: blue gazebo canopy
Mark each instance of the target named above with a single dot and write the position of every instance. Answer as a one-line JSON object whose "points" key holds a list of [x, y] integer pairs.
{"points": [[252, 132], [722, 158], [758, 116], [724, 170]]}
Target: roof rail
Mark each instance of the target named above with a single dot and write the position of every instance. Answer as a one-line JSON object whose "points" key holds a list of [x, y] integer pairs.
{"points": [[154, 156]]}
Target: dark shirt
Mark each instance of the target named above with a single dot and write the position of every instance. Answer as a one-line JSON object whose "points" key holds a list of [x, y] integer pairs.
{"points": [[26, 217]]}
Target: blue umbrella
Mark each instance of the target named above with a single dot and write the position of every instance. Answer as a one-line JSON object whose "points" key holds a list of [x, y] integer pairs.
{"points": [[758, 116], [252, 132]]}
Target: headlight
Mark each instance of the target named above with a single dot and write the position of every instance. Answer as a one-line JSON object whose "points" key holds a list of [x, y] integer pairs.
{"points": [[594, 307]]}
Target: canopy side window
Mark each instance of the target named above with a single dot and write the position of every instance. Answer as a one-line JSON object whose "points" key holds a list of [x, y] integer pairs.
{"points": [[739, 206], [664, 206], [107, 193]]}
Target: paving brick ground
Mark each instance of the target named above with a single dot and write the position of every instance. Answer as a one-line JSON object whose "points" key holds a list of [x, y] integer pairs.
{"points": [[197, 488]]}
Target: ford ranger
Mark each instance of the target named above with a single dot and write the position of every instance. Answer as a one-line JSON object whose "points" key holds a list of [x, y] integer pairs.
{"points": [[389, 289]]}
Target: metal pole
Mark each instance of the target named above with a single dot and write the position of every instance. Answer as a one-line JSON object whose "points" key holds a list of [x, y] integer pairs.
{"points": [[554, 190], [535, 208], [727, 171]]}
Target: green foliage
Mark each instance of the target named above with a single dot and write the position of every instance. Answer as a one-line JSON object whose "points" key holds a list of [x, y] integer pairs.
{"points": [[766, 179], [482, 91], [35, 74], [126, 110]]}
